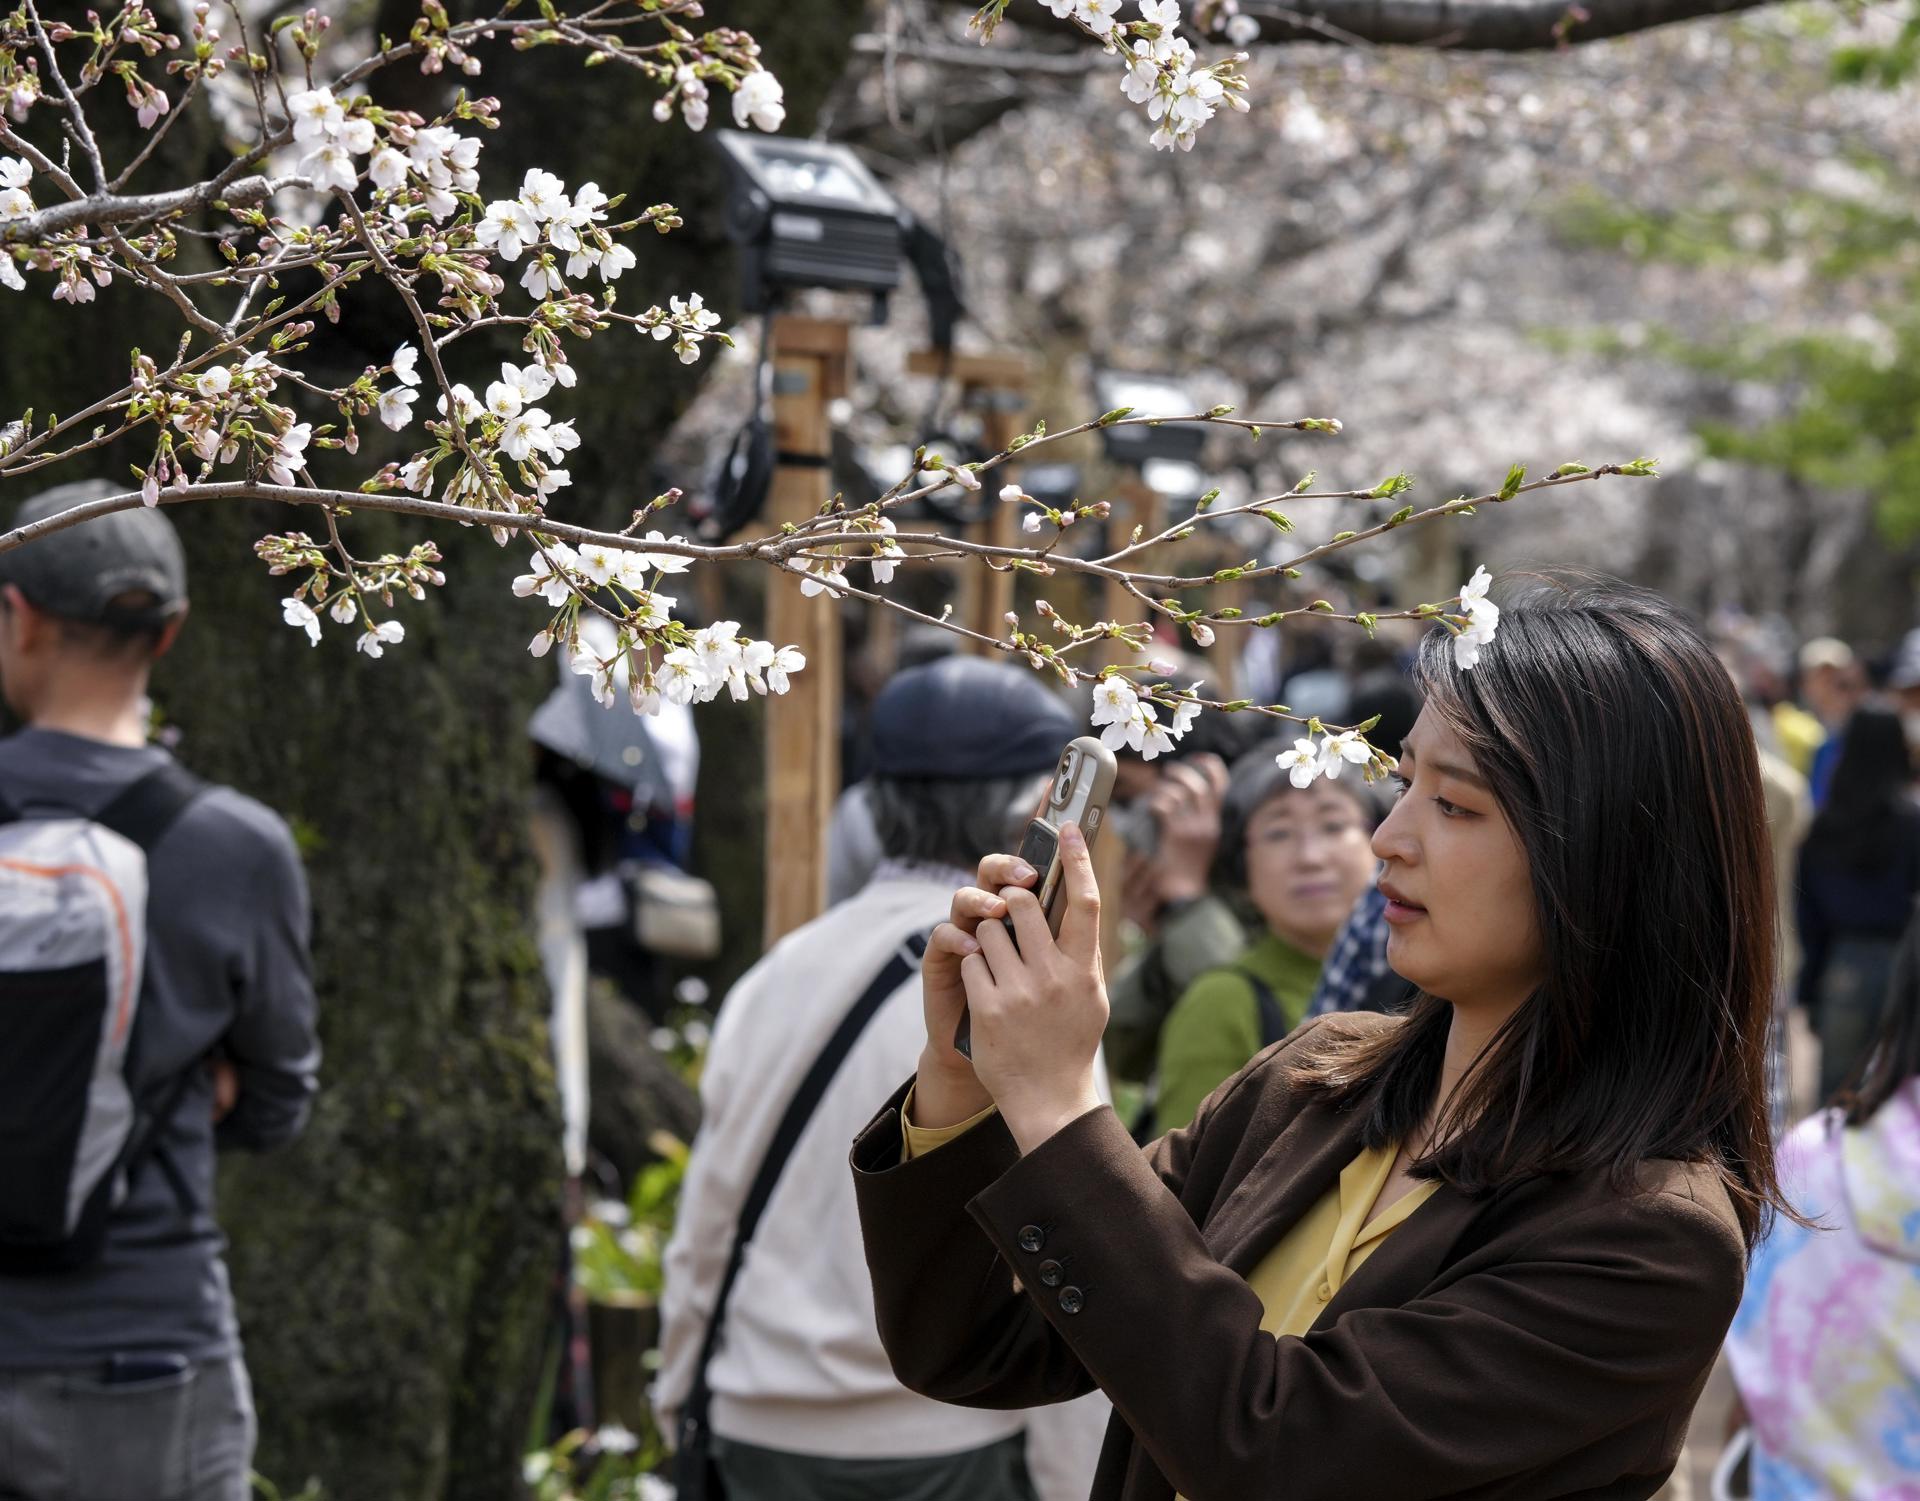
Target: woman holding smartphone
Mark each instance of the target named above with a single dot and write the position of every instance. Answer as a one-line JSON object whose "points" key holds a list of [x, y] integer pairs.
{"points": [[1486, 1249]]}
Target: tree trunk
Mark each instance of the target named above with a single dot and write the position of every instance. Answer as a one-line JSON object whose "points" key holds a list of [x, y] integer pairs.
{"points": [[394, 1269]]}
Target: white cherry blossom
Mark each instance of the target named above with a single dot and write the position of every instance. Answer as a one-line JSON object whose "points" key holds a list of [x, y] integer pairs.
{"points": [[388, 169], [331, 167], [405, 362], [1114, 700], [289, 453], [509, 227], [396, 406], [1482, 620], [789, 659], [546, 579], [663, 562], [1301, 762], [1340, 751], [524, 433], [375, 639], [681, 677], [297, 613], [759, 100], [315, 114]]}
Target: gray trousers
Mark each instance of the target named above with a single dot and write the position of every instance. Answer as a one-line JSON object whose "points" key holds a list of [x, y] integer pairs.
{"points": [[71, 1436], [995, 1473]]}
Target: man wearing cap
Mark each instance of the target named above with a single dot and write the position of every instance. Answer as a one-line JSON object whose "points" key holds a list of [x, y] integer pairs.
{"points": [[804, 1403], [122, 1380]]}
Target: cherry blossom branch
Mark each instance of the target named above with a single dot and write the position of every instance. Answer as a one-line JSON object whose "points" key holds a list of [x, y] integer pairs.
{"points": [[75, 124]]}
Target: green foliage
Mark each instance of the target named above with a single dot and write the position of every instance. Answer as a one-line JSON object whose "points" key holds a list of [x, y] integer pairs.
{"points": [[611, 1465], [618, 1254], [1848, 400], [1881, 66]]}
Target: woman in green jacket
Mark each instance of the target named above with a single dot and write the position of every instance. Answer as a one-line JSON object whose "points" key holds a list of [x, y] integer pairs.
{"points": [[1299, 857]]}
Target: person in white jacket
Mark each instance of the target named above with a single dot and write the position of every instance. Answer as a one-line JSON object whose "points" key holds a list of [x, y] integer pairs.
{"points": [[805, 1404]]}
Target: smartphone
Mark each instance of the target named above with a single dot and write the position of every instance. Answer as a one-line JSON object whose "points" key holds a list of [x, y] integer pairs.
{"points": [[1079, 793]]}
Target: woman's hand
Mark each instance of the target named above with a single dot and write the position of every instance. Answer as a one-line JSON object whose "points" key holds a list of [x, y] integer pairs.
{"points": [[947, 1091], [1038, 1011], [1187, 804]]}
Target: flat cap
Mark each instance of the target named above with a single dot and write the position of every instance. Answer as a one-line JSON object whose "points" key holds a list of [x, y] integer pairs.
{"points": [[962, 718]]}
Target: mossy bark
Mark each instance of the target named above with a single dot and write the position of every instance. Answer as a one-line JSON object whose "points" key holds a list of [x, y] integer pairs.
{"points": [[394, 1268]]}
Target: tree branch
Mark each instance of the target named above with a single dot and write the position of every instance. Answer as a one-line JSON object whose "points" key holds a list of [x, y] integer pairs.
{"points": [[1476, 25], [142, 208]]}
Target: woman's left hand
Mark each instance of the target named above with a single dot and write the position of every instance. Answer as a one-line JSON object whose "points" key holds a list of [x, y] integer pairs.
{"points": [[1039, 1011]]}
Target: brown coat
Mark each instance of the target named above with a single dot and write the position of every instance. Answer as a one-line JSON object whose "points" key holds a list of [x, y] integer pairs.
{"points": [[1548, 1341]]}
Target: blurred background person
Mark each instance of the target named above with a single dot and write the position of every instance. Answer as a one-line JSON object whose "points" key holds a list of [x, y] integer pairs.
{"points": [[1176, 925], [1297, 859], [803, 1402], [1859, 873], [1832, 684], [1825, 1349]]}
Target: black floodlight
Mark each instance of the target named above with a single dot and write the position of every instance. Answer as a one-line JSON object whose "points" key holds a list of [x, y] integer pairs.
{"points": [[1150, 396], [809, 214]]}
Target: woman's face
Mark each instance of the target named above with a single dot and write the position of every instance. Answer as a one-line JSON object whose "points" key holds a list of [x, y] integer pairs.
{"points": [[1307, 863], [1460, 905]]}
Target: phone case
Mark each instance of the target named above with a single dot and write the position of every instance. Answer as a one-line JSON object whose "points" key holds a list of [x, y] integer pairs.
{"points": [[1081, 789]]}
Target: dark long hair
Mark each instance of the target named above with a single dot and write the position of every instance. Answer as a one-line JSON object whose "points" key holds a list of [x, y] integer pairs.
{"points": [[1859, 827], [1893, 1057], [1620, 752]]}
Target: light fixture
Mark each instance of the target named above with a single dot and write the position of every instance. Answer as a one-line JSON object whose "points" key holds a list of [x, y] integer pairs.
{"points": [[809, 214], [1136, 444]]}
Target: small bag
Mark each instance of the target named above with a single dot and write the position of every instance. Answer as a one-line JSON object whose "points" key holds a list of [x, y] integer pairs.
{"points": [[675, 915]]}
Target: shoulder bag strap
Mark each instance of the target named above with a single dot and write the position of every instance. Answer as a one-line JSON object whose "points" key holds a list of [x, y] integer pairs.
{"points": [[143, 812], [1273, 1025], [806, 1099]]}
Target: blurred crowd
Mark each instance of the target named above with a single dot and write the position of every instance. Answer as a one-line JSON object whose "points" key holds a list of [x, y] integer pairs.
{"points": [[1245, 905]]}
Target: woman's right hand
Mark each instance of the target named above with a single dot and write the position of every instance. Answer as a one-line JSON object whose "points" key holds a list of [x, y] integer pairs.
{"points": [[947, 1090]]}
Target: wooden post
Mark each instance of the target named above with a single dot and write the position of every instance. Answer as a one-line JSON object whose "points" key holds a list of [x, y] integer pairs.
{"points": [[803, 724], [998, 385]]}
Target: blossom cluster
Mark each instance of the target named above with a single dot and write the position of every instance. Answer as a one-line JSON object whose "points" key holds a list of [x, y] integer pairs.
{"points": [[1479, 619], [1162, 70], [1307, 759], [1124, 718], [758, 99], [78, 267], [544, 218], [827, 573], [658, 658], [16, 202], [345, 594]]}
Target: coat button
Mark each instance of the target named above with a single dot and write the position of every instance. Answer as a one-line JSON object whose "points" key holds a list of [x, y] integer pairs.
{"points": [[1032, 1238], [1323, 1292], [1072, 1300], [1050, 1273]]}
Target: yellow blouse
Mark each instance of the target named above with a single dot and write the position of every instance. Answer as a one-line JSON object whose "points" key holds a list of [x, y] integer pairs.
{"points": [[1313, 1260]]}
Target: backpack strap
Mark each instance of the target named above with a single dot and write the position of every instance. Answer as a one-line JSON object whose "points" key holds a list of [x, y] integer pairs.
{"points": [[146, 809], [142, 813], [693, 1417], [1273, 1024]]}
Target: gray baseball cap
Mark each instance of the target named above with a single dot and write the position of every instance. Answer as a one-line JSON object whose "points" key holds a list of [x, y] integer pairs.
{"points": [[79, 572]]}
